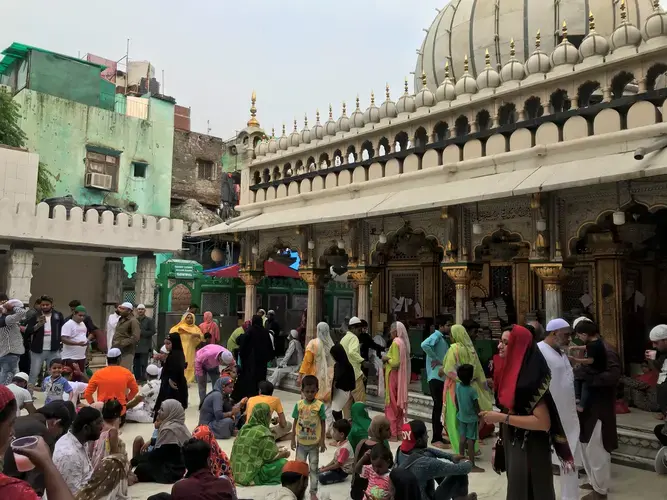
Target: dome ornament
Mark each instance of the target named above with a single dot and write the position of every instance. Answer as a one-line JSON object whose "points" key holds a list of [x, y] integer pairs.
{"points": [[466, 84], [343, 123], [425, 98], [372, 98], [513, 71], [655, 26], [295, 137], [330, 125], [253, 111], [273, 143], [626, 34], [538, 40], [388, 108], [372, 113], [593, 44], [305, 133], [317, 132], [387, 92], [406, 103], [565, 54], [447, 90], [357, 118], [283, 142], [538, 62], [406, 86], [488, 78], [564, 31]]}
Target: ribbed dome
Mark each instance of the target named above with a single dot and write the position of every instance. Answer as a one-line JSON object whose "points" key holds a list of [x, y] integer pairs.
{"points": [[343, 123], [447, 90], [261, 148], [488, 77], [565, 53], [283, 142], [538, 62], [388, 107], [317, 132], [626, 35], [656, 24], [294, 137], [425, 98], [469, 27], [594, 44], [273, 143], [406, 103], [357, 118], [513, 71], [330, 125], [305, 132], [466, 84], [372, 114]]}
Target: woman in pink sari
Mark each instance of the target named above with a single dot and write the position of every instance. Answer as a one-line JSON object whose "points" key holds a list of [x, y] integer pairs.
{"points": [[210, 326], [397, 378]]}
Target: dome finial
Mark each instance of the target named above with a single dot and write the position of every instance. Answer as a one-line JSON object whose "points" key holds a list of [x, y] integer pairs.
{"points": [[305, 121], [253, 111], [283, 130], [465, 64], [424, 78], [538, 40], [656, 5], [406, 86], [372, 98], [358, 108], [487, 59], [330, 112], [512, 48], [446, 69], [273, 132], [564, 31], [317, 116], [295, 125], [591, 21], [624, 14], [344, 108], [387, 91]]}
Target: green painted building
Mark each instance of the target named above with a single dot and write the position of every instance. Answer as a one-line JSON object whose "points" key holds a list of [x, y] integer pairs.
{"points": [[101, 147]]}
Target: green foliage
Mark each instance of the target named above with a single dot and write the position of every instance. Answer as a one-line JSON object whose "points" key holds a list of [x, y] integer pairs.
{"points": [[10, 112], [45, 179]]}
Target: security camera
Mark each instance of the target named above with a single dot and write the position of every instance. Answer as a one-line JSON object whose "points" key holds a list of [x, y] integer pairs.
{"points": [[640, 154]]}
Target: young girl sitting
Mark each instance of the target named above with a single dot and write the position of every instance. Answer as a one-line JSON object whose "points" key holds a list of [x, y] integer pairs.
{"points": [[374, 466]]}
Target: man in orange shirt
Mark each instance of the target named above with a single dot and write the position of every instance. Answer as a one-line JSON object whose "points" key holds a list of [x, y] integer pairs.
{"points": [[112, 382], [282, 428]]}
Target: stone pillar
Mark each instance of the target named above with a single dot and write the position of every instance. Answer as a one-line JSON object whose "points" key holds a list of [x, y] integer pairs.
{"points": [[113, 287], [315, 279], [362, 277], [144, 288], [551, 274], [609, 294], [251, 279], [462, 275], [19, 274]]}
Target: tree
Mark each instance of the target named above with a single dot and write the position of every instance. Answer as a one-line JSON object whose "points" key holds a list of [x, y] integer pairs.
{"points": [[10, 112]]}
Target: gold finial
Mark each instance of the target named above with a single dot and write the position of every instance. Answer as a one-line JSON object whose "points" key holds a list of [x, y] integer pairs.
{"points": [[305, 121], [512, 48], [406, 85], [387, 91], [372, 98], [591, 21], [624, 14], [487, 59], [295, 125], [330, 112], [656, 5], [564, 31], [358, 108], [538, 40], [283, 129], [424, 78], [253, 111], [317, 116], [465, 64], [446, 69], [344, 108], [273, 132]]}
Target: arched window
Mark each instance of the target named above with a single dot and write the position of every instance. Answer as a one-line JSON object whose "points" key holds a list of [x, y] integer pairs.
{"points": [[276, 173], [559, 101], [257, 177], [401, 141], [589, 93], [483, 120], [532, 108], [266, 177], [441, 132], [351, 154], [383, 147], [621, 85], [507, 114], [421, 137], [462, 126], [367, 151]]}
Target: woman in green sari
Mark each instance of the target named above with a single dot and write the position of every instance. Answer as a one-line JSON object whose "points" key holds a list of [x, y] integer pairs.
{"points": [[462, 352], [256, 460], [360, 424]]}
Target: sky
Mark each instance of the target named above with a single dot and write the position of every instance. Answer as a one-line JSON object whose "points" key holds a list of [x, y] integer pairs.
{"points": [[298, 55]]}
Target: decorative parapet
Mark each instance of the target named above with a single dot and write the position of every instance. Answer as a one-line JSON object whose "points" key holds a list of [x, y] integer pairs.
{"points": [[29, 223]]}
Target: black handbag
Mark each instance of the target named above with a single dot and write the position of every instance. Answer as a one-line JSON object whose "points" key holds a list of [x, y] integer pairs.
{"points": [[498, 456]]}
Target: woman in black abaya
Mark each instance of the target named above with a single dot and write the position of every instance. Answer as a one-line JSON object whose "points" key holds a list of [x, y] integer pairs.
{"points": [[173, 384], [255, 353]]}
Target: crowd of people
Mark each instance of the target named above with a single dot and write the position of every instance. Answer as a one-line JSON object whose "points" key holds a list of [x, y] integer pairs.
{"points": [[544, 394]]}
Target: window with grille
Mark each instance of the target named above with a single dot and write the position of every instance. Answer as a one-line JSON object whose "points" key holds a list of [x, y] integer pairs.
{"points": [[102, 170], [217, 303], [205, 170]]}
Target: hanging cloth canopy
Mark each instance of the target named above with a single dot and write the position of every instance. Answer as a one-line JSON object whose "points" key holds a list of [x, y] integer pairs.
{"points": [[272, 269]]}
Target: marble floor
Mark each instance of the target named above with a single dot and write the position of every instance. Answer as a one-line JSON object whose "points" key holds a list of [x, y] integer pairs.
{"points": [[627, 482]]}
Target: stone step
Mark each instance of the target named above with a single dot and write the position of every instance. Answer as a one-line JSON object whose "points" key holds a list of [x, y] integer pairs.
{"points": [[637, 447]]}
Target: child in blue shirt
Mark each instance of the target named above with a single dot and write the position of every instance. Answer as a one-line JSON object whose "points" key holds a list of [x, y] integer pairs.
{"points": [[55, 385], [467, 414]]}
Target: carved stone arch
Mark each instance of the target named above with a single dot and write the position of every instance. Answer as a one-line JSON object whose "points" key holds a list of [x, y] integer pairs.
{"points": [[620, 82], [401, 141], [298, 168], [559, 101], [287, 170], [501, 244], [462, 126], [324, 161], [421, 137], [483, 120], [380, 253], [654, 74], [275, 248], [367, 151], [276, 175], [266, 175], [351, 154], [441, 132], [311, 166], [338, 158], [507, 114], [384, 148], [533, 108], [257, 177], [588, 94], [331, 255]]}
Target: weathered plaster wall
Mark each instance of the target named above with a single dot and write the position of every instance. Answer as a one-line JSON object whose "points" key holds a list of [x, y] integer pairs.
{"points": [[59, 130], [18, 174], [188, 148]]}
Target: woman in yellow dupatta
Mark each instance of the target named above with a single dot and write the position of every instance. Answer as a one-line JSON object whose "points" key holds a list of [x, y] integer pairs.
{"points": [[462, 352], [191, 336]]}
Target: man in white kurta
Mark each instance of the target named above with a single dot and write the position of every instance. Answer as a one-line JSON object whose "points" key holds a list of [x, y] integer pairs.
{"points": [[112, 322], [562, 391]]}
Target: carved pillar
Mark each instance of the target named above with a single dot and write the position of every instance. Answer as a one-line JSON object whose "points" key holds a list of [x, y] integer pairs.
{"points": [[113, 286], [362, 277], [609, 292], [315, 279], [522, 283], [19, 274], [551, 274], [462, 275], [144, 288], [251, 279]]}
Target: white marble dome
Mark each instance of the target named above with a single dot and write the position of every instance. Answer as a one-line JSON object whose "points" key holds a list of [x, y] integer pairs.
{"points": [[372, 113], [425, 98], [594, 44], [388, 107], [565, 53], [461, 28], [305, 132], [406, 103], [283, 142], [261, 148], [294, 138], [656, 23], [488, 78], [343, 123], [357, 118], [513, 70], [330, 125], [317, 132], [273, 143], [626, 34], [447, 90], [466, 84], [539, 61]]}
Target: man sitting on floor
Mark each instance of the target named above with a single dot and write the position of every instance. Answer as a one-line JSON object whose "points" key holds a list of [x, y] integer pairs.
{"points": [[140, 408], [282, 428]]}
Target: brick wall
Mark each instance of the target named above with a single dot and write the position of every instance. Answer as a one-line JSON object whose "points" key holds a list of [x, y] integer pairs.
{"points": [[181, 118]]}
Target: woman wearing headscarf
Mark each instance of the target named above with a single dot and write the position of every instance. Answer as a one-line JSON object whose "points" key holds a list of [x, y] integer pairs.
{"points": [[232, 341], [255, 352], [191, 336], [530, 421], [318, 362], [256, 460], [397, 378], [379, 431], [462, 352], [164, 463], [218, 462], [290, 362], [361, 422], [210, 326], [172, 377], [218, 411], [343, 381]]}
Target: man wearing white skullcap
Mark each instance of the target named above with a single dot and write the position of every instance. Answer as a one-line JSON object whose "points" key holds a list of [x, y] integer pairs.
{"points": [[657, 359], [112, 382], [145, 345], [140, 409], [562, 390], [208, 360], [127, 334]]}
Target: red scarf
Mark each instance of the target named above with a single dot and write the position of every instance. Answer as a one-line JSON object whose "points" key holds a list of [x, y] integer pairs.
{"points": [[519, 342]]}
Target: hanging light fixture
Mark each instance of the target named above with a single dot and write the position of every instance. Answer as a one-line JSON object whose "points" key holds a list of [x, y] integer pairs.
{"points": [[618, 216], [254, 250], [541, 224], [311, 245], [476, 227], [382, 238], [341, 244]]}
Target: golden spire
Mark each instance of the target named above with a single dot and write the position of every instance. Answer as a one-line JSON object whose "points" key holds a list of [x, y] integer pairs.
{"points": [[295, 125], [512, 48], [273, 132], [656, 5], [317, 116], [344, 108], [538, 40], [564, 31], [372, 98], [447, 69], [406, 86], [465, 64], [305, 121], [358, 108], [330, 112], [283, 130], [487, 59], [591, 21], [424, 78], [253, 112], [624, 14], [387, 91]]}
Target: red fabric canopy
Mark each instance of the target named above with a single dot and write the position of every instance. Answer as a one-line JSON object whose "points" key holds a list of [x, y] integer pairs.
{"points": [[272, 269]]}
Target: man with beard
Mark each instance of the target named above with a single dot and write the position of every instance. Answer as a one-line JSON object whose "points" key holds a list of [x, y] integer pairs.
{"points": [[128, 333], [145, 345], [294, 482], [562, 391], [43, 333]]}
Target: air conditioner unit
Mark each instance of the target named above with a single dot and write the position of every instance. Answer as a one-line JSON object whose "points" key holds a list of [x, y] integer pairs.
{"points": [[99, 181]]}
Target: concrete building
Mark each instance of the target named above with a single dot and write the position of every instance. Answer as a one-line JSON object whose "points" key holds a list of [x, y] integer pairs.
{"points": [[523, 178]]}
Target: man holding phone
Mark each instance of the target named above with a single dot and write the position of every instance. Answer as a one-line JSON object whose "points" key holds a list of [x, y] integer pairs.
{"points": [[43, 332]]}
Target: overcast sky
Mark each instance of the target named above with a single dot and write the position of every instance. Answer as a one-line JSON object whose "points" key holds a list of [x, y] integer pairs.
{"points": [[298, 55]]}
